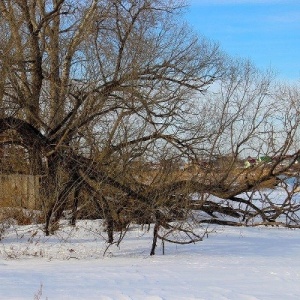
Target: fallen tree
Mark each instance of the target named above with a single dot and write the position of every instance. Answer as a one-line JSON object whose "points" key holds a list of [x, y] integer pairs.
{"points": [[129, 117]]}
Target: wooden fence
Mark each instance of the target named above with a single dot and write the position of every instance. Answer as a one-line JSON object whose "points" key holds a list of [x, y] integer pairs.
{"points": [[18, 190]]}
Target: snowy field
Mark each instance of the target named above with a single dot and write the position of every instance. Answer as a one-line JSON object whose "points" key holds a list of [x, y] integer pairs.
{"points": [[232, 263]]}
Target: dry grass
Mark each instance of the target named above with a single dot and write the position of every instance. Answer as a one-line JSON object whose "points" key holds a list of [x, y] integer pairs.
{"points": [[20, 216]]}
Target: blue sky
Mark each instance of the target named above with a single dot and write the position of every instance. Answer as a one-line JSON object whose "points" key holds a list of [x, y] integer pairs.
{"points": [[265, 31]]}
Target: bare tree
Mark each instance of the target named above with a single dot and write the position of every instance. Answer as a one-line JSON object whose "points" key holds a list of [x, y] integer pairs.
{"points": [[124, 109]]}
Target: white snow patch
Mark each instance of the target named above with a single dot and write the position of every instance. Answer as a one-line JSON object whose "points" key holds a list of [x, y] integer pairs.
{"points": [[232, 263]]}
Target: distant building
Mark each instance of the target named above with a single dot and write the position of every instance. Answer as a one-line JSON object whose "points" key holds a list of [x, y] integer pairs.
{"points": [[250, 162]]}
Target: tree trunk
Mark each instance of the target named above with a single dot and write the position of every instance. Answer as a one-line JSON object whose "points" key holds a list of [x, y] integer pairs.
{"points": [[155, 236]]}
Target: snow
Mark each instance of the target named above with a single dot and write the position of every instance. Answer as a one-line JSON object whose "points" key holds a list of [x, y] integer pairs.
{"points": [[232, 263]]}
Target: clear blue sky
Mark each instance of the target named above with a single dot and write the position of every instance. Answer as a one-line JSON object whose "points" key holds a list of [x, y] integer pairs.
{"points": [[265, 31]]}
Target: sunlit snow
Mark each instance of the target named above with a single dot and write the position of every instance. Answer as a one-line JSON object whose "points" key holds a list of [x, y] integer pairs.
{"points": [[232, 263]]}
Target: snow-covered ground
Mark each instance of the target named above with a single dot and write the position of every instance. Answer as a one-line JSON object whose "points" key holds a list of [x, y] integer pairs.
{"points": [[232, 263]]}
